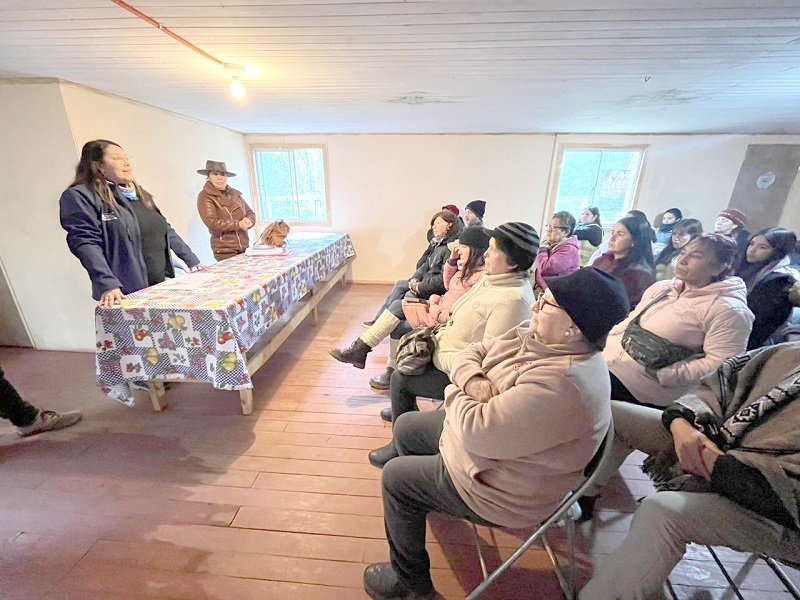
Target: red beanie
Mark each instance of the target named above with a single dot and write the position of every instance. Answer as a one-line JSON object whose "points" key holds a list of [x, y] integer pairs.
{"points": [[734, 215], [452, 208]]}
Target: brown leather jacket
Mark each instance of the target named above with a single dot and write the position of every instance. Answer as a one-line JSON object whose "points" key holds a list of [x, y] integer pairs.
{"points": [[221, 213]]}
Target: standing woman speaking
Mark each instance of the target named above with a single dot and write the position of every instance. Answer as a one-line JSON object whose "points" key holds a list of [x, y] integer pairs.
{"points": [[224, 212], [114, 227]]}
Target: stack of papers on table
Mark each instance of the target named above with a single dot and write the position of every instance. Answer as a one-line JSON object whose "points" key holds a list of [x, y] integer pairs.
{"points": [[190, 281], [266, 250]]}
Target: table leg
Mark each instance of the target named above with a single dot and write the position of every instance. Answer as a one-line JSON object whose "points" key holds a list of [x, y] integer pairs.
{"points": [[157, 391], [246, 397]]}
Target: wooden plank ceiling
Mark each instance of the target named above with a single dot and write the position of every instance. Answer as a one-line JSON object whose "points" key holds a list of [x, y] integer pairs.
{"points": [[632, 66]]}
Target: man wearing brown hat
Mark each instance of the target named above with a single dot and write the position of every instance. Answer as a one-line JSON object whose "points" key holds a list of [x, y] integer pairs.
{"points": [[224, 212]]}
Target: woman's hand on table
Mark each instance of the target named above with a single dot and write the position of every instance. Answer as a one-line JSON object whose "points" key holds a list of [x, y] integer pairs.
{"points": [[199, 267], [480, 388], [110, 298]]}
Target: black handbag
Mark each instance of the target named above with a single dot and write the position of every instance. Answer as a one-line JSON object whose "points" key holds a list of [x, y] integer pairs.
{"points": [[650, 350], [415, 350]]}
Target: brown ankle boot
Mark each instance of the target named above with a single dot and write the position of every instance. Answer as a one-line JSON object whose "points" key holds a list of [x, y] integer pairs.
{"points": [[355, 354]]}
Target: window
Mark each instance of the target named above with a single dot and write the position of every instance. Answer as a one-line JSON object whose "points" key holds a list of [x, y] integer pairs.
{"points": [[290, 184], [601, 177]]}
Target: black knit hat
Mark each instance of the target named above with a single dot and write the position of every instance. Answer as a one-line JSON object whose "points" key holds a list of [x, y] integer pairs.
{"points": [[476, 237], [594, 300], [478, 207], [519, 241]]}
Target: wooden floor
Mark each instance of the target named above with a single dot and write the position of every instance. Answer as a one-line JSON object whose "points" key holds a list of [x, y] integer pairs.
{"points": [[200, 502]]}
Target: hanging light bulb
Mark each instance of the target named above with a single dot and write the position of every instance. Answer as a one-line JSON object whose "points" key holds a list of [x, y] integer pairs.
{"points": [[237, 88]]}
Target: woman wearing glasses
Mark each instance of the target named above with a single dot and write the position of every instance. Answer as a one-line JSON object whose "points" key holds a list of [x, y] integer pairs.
{"points": [[559, 253], [525, 414], [115, 228]]}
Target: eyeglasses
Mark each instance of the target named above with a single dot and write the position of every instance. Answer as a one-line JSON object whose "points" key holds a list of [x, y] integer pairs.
{"points": [[542, 302], [551, 227]]}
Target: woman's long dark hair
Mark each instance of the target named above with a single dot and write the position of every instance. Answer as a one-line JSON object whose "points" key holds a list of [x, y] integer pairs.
{"points": [[88, 173], [642, 233], [782, 240], [475, 261], [692, 227]]}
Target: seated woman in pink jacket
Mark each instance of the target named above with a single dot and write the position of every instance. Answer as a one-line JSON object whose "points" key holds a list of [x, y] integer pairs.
{"points": [[461, 272], [559, 253], [702, 319]]}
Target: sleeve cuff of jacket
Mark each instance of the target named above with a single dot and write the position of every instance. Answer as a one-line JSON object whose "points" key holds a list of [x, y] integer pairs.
{"points": [[677, 411]]}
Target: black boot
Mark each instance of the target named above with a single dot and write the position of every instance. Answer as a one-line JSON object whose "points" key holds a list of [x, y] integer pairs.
{"points": [[381, 456], [381, 382], [382, 583], [355, 354]]}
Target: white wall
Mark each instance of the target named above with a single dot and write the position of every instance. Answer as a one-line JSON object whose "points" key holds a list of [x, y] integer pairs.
{"points": [[49, 124], [385, 188], [39, 157]]}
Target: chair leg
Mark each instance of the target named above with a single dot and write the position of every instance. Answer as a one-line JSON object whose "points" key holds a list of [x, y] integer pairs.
{"points": [[734, 587], [562, 581], [480, 553], [788, 584]]}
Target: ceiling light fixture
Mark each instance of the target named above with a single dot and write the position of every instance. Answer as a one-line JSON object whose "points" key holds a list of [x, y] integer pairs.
{"points": [[237, 87]]}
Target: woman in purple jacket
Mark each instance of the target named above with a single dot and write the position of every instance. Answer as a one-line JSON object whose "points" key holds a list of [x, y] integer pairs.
{"points": [[559, 253], [114, 227]]}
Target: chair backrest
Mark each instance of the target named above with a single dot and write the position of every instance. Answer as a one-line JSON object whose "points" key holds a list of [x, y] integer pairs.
{"points": [[590, 473]]}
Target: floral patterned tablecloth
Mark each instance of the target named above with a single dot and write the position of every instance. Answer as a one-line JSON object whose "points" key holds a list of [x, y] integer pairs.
{"points": [[202, 334]]}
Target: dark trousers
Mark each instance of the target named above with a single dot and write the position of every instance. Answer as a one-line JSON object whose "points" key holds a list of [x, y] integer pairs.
{"points": [[414, 484], [13, 407], [404, 389], [398, 291], [396, 308], [403, 328]]}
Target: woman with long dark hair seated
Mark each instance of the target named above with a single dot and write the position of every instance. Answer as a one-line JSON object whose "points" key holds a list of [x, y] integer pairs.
{"points": [[630, 256], [427, 280], [683, 233], [589, 233], [462, 270], [768, 277]]}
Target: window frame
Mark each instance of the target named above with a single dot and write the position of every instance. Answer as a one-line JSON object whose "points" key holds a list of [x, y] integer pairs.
{"points": [[254, 188], [555, 173]]}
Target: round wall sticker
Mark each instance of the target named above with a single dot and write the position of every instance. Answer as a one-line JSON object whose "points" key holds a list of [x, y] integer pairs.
{"points": [[765, 180]]}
